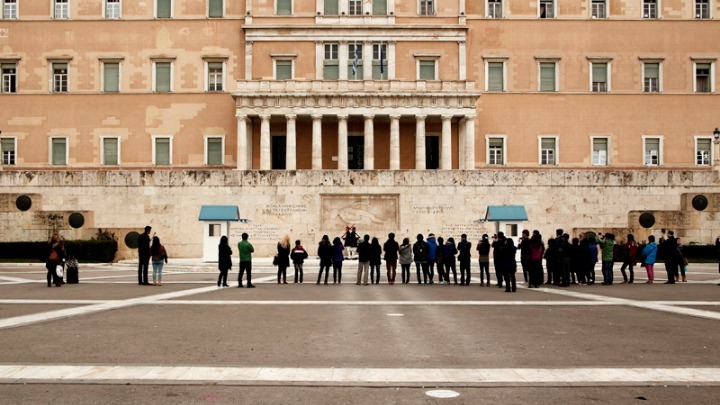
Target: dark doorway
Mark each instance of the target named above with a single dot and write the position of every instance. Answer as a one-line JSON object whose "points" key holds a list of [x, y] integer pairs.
{"points": [[279, 150], [432, 152], [356, 152]]}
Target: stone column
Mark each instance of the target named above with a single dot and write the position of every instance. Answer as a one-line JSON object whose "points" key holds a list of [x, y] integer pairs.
{"points": [[291, 144], [248, 60], [265, 162], [343, 59], [470, 142], [369, 163], [461, 143], [395, 142], [420, 142], [342, 153], [462, 62], [391, 60], [446, 143], [367, 60], [317, 142], [242, 142]]}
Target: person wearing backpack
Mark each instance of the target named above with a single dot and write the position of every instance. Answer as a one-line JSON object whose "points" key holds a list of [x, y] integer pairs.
{"points": [[298, 256], [631, 251]]}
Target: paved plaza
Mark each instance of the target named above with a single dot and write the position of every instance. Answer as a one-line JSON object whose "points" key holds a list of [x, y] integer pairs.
{"points": [[108, 340]]}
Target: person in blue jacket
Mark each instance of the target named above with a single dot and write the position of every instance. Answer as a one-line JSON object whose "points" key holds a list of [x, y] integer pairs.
{"points": [[649, 255]]}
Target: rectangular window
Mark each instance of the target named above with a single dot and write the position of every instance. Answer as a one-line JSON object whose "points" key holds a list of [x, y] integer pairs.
{"points": [[650, 9], [702, 78], [7, 147], [651, 149], [9, 78], [331, 68], [380, 68], [58, 151], [331, 7], [599, 151], [111, 77], [702, 151], [546, 9], [214, 155], [62, 9], [355, 7], [494, 9], [495, 78], [379, 7], [599, 77], [496, 151], [355, 61], [651, 77], [284, 7], [427, 7], [110, 151], [547, 76], [163, 77], [163, 8], [702, 9], [426, 70], [548, 151], [60, 77], [215, 8], [598, 9], [112, 9], [215, 76], [162, 151], [283, 69], [10, 9]]}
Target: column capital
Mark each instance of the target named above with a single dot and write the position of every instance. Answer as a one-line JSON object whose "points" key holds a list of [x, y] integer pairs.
{"points": [[469, 117], [421, 117], [343, 117], [316, 116], [446, 117], [395, 116], [241, 116], [369, 116], [290, 116], [264, 116]]}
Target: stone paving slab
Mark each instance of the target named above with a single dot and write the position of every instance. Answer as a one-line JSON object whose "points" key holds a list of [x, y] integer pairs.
{"points": [[12, 310]]}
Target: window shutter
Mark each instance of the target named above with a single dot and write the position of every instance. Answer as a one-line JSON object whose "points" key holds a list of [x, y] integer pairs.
{"points": [[284, 7], [379, 7], [427, 70], [599, 144], [703, 145], [58, 151], [162, 151], [162, 76], [495, 76], [548, 143], [214, 150], [283, 70], [547, 76], [164, 8], [215, 9], [331, 70], [496, 142], [111, 82], [110, 149], [331, 7], [652, 70], [599, 72]]}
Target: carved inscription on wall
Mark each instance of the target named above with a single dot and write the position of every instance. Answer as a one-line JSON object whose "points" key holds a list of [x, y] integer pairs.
{"points": [[473, 231], [367, 212], [284, 209], [432, 209], [256, 232]]}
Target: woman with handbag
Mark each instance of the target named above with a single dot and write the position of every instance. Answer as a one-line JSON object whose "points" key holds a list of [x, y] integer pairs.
{"points": [[158, 256], [224, 261], [283, 259], [54, 259]]}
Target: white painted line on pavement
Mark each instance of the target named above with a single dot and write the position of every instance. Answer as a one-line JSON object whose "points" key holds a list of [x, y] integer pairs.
{"points": [[20, 374]]}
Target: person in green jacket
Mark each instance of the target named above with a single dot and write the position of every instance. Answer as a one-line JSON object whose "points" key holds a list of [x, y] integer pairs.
{"points": [[245, 249], [607, 243]]}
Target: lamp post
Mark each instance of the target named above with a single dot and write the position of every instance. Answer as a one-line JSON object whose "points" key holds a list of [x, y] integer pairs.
{"points": [[716, 149]]}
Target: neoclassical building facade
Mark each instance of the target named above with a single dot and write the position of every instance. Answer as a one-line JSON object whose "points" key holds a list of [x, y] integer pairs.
{"points": [[451, 86]]}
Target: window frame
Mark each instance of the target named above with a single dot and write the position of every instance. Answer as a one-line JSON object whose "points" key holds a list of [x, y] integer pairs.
{"points": [[606, 8], [556, 150], [155, 138], [56, 5], [222, 9], [420, 58], [105, 10], [277, 59], [102, 76], [709, 10], [503, 61], [14, 90], [172, 9], [292, 8], [360, 69], [223, 63], [659, 78], [15, 9], [51, 150], [488, 9], [644, 16], [206, 143], [102, 150], [423, 6], [556, 63], [15, 151], [608, 75], [154, 75], [711, 75], [660, 156], [554, 9], [54, 77], [380, 46], [488, 154], [352, 8], [710, 150], [331, 48], [593, 138]]}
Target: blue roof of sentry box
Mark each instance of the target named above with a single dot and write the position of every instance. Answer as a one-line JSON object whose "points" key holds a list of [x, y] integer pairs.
{"points": [[219, 213], [506, 213]]}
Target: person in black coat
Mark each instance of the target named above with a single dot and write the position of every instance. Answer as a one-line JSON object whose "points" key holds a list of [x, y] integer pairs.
{"points": [[325, 252], [298, 256], [420, 249], [464, 248], [283, 259], [224, 261], [144, 256], [391, 249], [509, 265], [498, 245], [375, 261]]}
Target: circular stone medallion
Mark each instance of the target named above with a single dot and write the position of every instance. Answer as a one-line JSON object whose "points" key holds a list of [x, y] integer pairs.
{"points": [[23, 203], [700, 202], [76, 220], [131, 239], [647, 220]]}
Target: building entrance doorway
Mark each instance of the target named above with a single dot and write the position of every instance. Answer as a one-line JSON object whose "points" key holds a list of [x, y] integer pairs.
{"points": [[356, 152], [279, 150], [432, 152]]}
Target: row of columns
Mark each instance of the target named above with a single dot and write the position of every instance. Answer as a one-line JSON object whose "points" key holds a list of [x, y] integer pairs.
{"points": [[466, 147]]}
